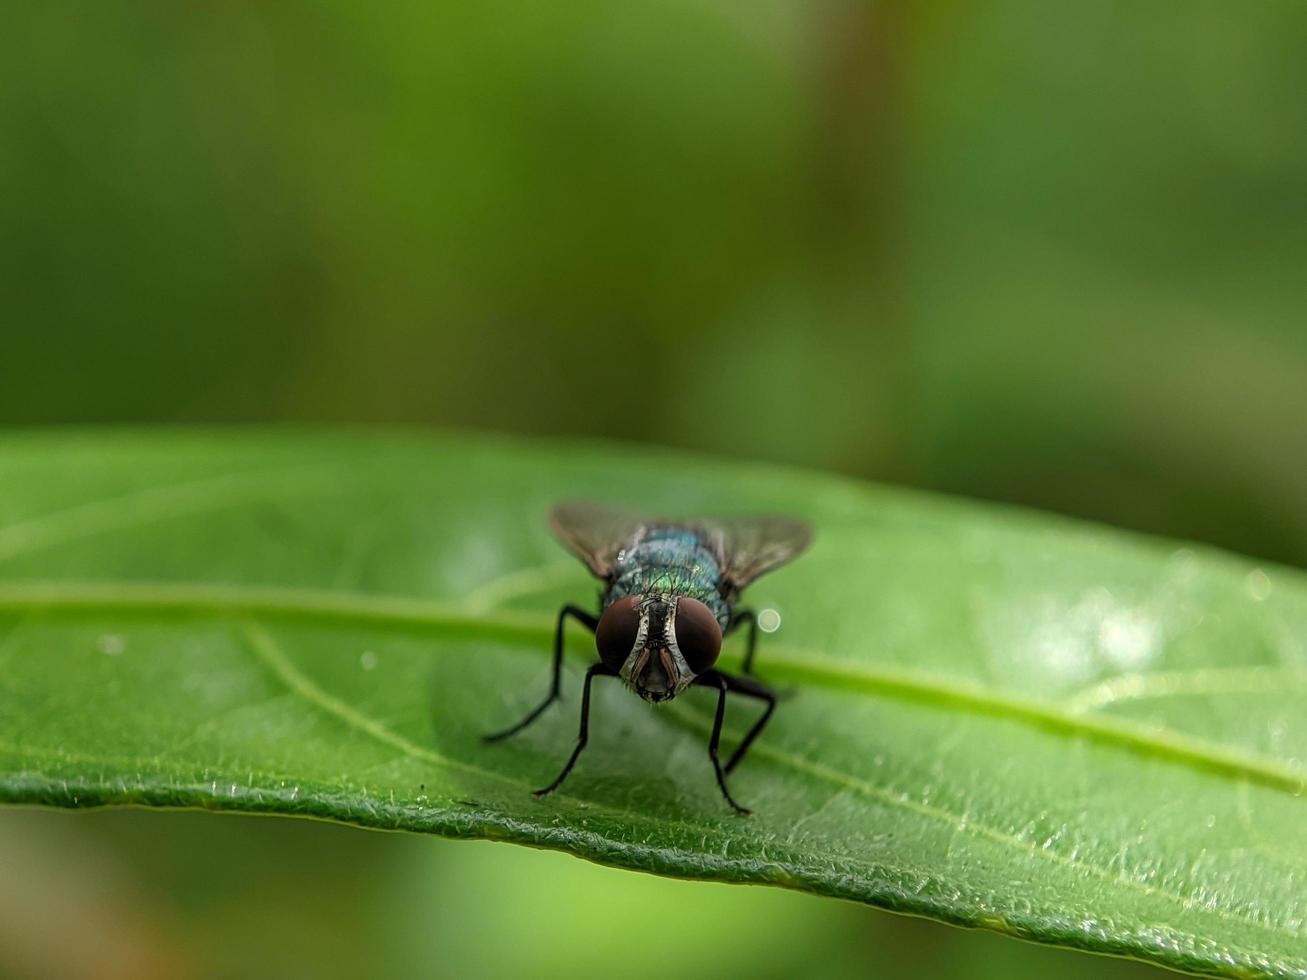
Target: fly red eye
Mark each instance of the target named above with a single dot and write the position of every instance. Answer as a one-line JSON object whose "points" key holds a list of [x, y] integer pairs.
{"points": [[698, 634], [615, 634]]}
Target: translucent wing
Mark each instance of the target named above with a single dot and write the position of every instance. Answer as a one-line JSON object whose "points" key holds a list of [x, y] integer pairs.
{"points": [[751, 546], [595, 533]]}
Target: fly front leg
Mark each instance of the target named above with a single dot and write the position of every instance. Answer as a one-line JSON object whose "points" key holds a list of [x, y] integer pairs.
{"points": [[596, 670], [750, 688], [586, 620], [740, 618], [718, 680]]}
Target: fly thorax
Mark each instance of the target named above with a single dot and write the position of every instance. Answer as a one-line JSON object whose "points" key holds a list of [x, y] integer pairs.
{"points": [[655, 669]]}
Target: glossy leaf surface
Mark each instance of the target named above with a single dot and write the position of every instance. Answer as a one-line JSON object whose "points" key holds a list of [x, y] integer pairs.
{"points": [[995, 718]]}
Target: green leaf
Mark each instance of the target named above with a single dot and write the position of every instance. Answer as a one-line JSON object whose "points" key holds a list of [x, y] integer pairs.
{"points": [[997, 719]]}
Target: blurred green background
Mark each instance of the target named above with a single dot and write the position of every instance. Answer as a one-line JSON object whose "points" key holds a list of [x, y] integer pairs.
{"points": [[1048, 253]]}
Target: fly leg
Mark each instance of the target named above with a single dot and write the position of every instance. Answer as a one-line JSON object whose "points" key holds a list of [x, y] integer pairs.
{"points": [[738, 619], [596, 670], [750, 688], [712, 678], [586, 620]]}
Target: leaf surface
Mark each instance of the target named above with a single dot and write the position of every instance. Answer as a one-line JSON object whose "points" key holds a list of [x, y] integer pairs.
{"points": [[995, 718]]}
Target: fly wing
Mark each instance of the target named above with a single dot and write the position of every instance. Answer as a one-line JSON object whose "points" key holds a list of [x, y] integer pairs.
{"points": [[751, 546], [595, 533]]}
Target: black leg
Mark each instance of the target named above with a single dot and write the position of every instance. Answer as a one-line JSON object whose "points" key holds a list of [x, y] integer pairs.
{"points": [[596, 670], [586, 620], [738, 619], [712, 678], [752, 689]]}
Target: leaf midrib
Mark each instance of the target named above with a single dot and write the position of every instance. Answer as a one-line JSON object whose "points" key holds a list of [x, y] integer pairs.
{"points": [[783, 663]]}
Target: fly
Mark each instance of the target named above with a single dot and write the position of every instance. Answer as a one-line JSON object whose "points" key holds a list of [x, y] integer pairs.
{"points": [[670, 593]]}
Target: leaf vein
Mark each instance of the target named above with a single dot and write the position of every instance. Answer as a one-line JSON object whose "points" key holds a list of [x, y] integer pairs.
{"points": [[158, 503], [783, 663]]}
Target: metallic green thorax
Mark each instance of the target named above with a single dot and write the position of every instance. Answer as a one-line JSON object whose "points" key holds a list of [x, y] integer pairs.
{"points": [[669, 561]]}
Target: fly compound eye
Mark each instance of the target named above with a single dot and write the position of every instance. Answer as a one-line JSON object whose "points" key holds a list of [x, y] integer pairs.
{"points": [[617, 629], [698, 636]]}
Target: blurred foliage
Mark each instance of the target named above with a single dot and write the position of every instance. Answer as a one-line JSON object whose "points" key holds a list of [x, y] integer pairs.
{"points": [[1042, 252], [1048, 253]]}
